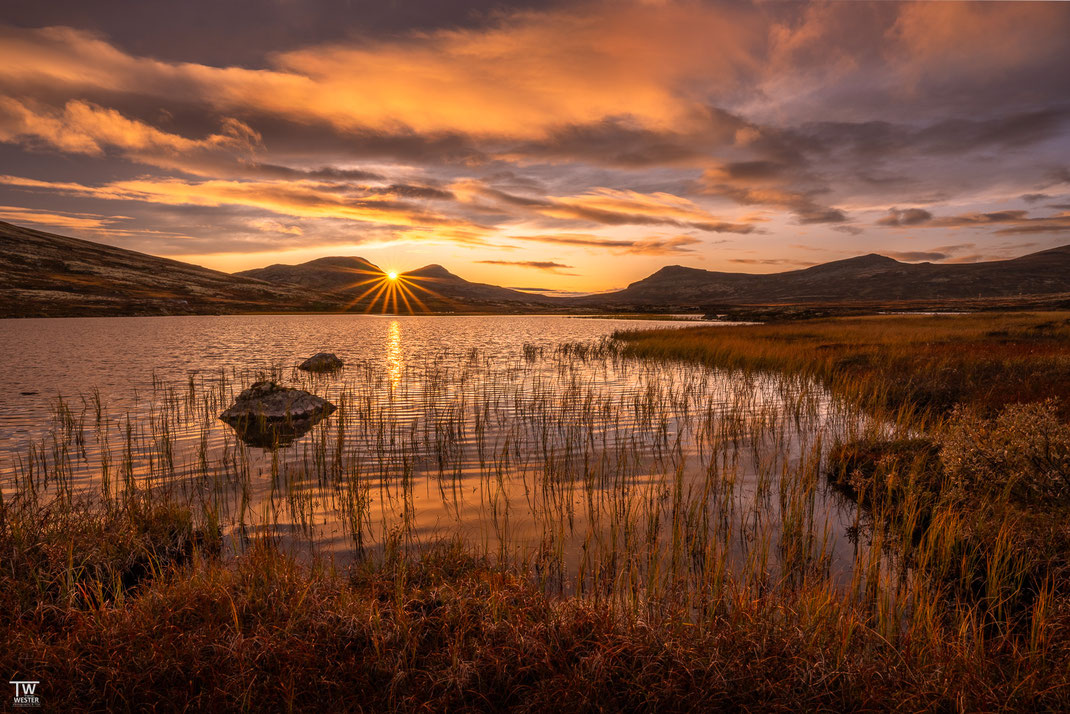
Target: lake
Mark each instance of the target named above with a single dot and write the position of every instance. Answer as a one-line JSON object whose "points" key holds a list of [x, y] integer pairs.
{"points": [[530, 438]]}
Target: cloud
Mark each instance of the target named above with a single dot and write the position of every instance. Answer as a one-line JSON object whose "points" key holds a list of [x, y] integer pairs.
{"points": [[59, 220], [546, 265], [562, 293], [898, 218], [787, 184], [674, 245], [517, 78], [85, 128], [1051, 224], [306, 199], [914, 256], [605, 206], [771, 261], [1007, 222], [589, 121]]}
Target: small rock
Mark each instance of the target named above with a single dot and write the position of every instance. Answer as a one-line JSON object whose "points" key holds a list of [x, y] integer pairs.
{"points": [[268, 415], [321, 362]]}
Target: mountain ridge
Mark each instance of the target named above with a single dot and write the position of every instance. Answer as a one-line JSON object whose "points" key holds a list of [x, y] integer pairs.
{"points": [[870, 277], [432, 283], [46, 274], [51, 275]]}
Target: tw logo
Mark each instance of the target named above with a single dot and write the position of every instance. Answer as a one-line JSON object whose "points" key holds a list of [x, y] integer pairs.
{"points": [[26, 694]]}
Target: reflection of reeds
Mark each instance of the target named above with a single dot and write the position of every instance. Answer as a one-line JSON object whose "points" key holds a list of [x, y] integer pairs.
{"points": [[637, 485], [577, 453]]}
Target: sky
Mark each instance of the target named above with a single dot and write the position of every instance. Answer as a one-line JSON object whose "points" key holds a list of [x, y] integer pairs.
{"points": [[558, 146]]}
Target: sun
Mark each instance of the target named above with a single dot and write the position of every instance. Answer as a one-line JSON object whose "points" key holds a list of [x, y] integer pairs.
{"points": [[393, 291]]}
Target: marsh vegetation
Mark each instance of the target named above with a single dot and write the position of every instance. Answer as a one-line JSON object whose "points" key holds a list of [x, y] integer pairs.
{"points": [[844, 514]]}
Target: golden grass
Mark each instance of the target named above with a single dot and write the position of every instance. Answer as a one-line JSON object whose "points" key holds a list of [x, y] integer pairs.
{"points": [[926, 363], [975, 476], [446, 631], [695, 595]]}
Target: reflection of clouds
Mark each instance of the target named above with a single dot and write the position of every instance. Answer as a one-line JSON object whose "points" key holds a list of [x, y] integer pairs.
{"points": [[394, 359]]}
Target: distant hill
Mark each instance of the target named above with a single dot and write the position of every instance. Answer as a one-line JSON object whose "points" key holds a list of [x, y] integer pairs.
{"points": [[865, 278], [48, 275], [325, 274], [436, 287], [438, 280]]}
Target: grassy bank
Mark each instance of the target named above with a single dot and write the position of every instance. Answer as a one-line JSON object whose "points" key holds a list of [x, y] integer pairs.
{"points": [[973, 480], [686, 546], [923, 364], [448, 631]]}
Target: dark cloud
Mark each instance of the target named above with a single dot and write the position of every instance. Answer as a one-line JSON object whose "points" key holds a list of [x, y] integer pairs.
{"points": [[1013, 130], [1053, 224], [898, 217], [806, 209], [1007, 222], [613, 209], [246, 32], [849, 230], [916, 256], [546, 265], [645, 246], [612, 143], [326, 173], [754, 170], [557, 292], [770, 261]]}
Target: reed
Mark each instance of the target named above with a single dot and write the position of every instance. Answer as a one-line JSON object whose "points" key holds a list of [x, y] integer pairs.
{"points": [[615, 516]]}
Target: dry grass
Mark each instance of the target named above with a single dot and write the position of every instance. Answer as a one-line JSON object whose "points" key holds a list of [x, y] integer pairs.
{"points": [[957, 599], [973, 483], [445, 631], [925, 364]]}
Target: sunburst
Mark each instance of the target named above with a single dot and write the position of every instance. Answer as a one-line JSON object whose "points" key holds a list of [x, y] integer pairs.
{"points": [[394, 292]]}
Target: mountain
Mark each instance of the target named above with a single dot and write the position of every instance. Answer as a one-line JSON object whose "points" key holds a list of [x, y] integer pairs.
{"points": [[434, 286], [48, 275], [864, 278], [43, 274], [438, 281], [324, 274]]}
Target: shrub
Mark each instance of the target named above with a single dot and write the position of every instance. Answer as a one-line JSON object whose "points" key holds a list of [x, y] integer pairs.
{"points": [[1023, 453]]}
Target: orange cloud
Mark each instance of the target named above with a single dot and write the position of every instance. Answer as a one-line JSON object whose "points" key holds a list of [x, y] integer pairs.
{"points": [[306, 199], [50, 218], [533, 72], [84, 128], [979, 38], [602, 205], [653, 245]]}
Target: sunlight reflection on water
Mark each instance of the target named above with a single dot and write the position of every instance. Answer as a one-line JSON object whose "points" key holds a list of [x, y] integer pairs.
{"points": [[394, 355], [477, 427]]}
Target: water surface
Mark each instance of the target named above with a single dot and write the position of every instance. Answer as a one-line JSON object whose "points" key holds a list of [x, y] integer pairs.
{"points": [[525, 436]]}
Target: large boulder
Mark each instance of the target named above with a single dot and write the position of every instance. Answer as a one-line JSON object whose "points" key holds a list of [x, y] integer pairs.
{"points": [[321, 362], [269, 415]]}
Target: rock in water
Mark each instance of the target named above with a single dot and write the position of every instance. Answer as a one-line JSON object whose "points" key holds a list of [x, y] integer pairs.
{"points": [[322, 362], [268, 415]]}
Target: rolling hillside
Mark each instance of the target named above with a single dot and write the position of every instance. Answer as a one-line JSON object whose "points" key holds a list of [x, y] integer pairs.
{"points": [[48, 275], [865, 278]]}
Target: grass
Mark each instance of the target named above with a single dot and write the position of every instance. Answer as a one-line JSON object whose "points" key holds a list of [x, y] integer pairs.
{"points": [[924, 364], [445, 630], [663, 543], [975, 474]]}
